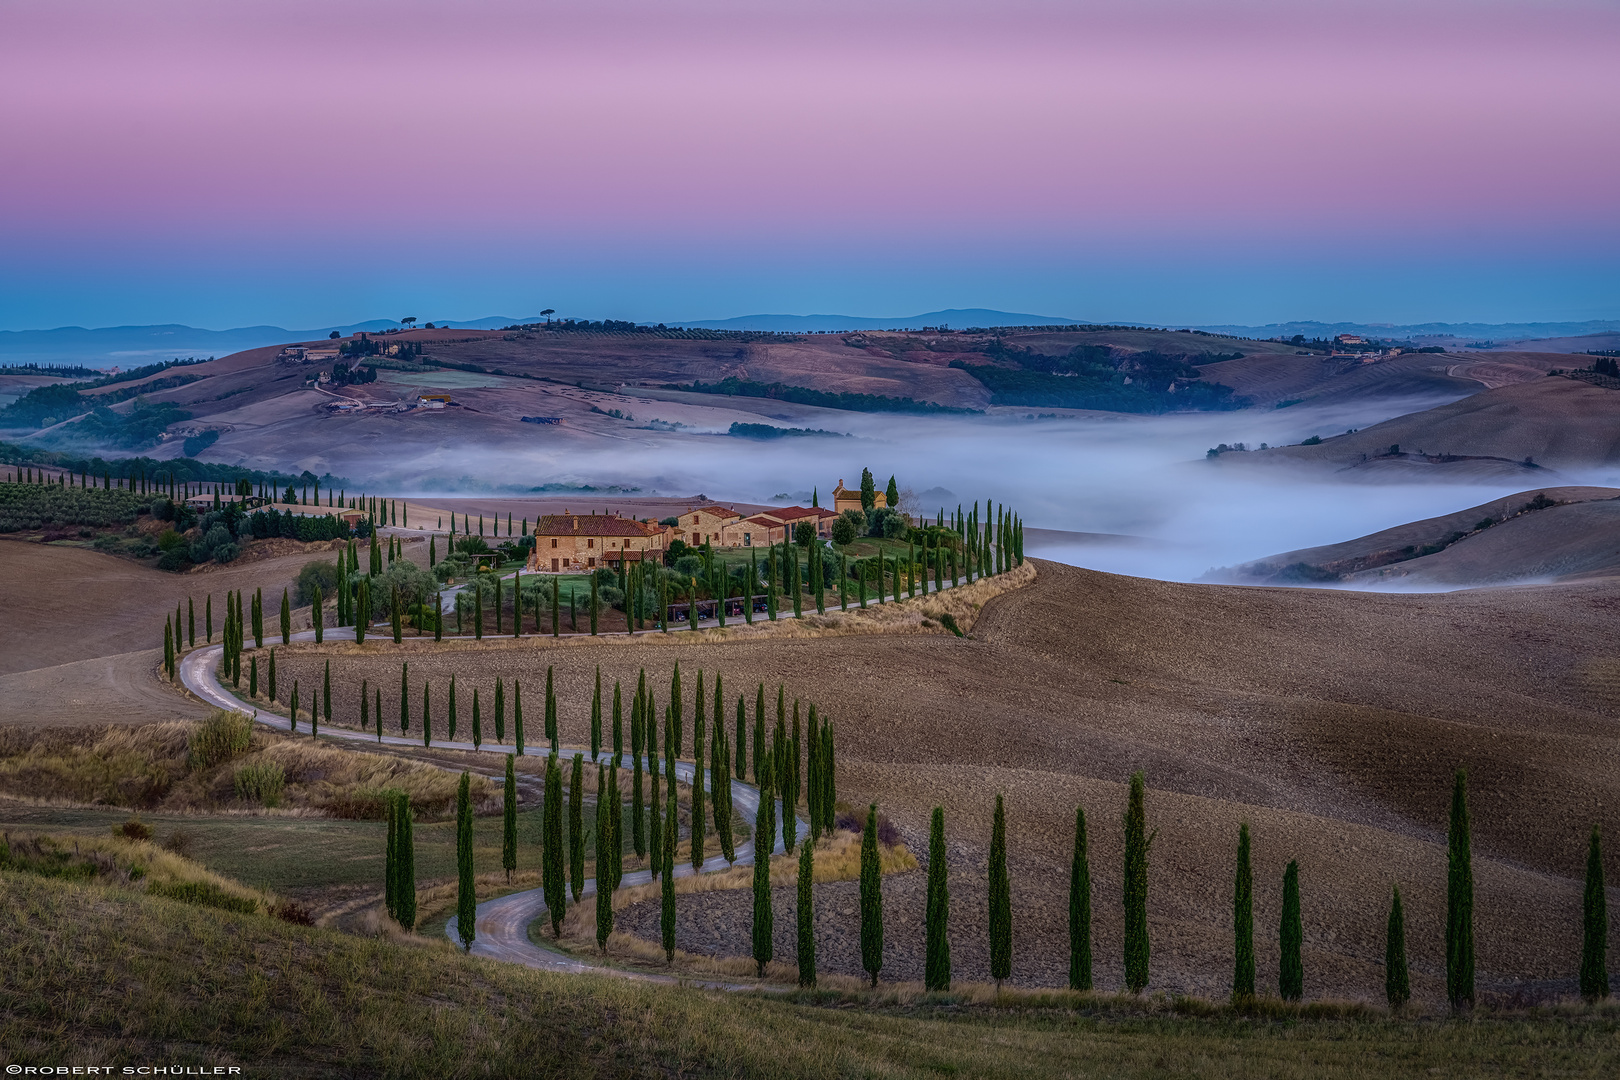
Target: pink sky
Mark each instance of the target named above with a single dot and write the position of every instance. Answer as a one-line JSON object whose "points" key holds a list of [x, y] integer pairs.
{"points": [[135, 134]]}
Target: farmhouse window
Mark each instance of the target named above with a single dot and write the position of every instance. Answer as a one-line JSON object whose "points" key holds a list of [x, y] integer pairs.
{"points": [[553, 544], [554, 564], [590, 543], [591, 562]]}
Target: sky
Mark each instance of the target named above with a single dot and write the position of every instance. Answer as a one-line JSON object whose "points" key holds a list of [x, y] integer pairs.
{"points": [[1163, 161]]}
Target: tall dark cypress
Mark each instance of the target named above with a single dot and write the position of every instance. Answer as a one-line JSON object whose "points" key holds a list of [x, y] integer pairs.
{"points": [[759, 730], [871, 897], [596, 716], [1397, 980], [638, 833], [517, 716], [451, 710], [509, 820], [806, 913], [500, 712], [551, 868], [406, 916], [604, 859], [404, 696], [391, 861], [618, 724], [764, 919], [666, 915], [937, 961], [466, 887], [1595, 936], [672, 742], [698, 824], [271, 677], [1000, 899], [720, 793], [576, 828], [1080, 907], [1290, 936], [1459, 900], [477, 722], [1243, 921], [1136, 885], [551, 710], [740, 765]]}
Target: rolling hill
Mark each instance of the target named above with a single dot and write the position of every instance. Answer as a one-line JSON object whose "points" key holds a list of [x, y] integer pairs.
{"points": [[1516, 432], [1552, 534]]}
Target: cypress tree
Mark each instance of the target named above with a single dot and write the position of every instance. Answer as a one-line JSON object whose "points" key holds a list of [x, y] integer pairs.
{"points": [[871, 897], [395, 620], [466, 888], [314, 713], [1000, 899], [293, 707], [517, 716], [253, 677], [638, 833], [596, 717], [478, 610], [451, 707], [740, 765], [720, 787], [764, 919], [509, 820], [1243, 921], [427, 713], [1080, 907], [807, 919], [1459, 900], [407, 867], [937, 965], [191, 623], [666, 915], [391, 860], [813, 775], [208, 617], [272, 679], [594, 603], [1595, 936], [551, 867], [655, 834], [168, 647], [576, 828], [604, 860], [697, 786], [500, 712], [404, 696], [759, 729], [618, 724], [551, 710], [317, 616], [438, 617], [1135, 889], [258, 619], [477, 723], [1291, 969], [672, 744], [378, 712], [1397, 981]]}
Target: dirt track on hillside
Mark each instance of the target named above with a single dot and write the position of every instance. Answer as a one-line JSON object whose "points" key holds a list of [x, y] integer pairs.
{"points": [[1330, 721]]}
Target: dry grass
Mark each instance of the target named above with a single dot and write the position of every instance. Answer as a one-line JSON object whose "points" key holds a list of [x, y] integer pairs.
{"points": [[127, 863], [151, 767]]}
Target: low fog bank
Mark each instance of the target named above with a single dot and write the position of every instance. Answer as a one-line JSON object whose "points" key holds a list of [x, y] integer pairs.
{"points": [[1144, 481]]}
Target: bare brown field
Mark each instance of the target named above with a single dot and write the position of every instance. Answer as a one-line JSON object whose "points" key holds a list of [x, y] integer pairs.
{"points": [[66, 604], [1329, 721]]}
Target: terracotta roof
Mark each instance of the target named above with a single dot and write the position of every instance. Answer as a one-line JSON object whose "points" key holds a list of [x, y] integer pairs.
{"points": [[797, 513], [592, 525]]}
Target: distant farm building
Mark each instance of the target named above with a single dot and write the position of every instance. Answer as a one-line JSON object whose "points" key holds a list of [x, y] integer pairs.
{"points": [[433, 401], [845, 499], [542, 419], [704, 524], [568, 543]]}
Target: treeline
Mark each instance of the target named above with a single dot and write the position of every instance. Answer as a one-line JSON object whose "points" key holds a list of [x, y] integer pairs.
{"points": [[769, 431], [26, 506], [46, 405], [60, 371], [731, 386], [145, 470], [1093, 377]]}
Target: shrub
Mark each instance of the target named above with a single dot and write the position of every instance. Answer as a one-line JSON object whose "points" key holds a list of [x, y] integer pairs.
{"points": [[202, 893], [322, 573], [948, 621], [843, 532], [180, 841], [261, 782], [221, 737], [134, 829], [298, 914], [1314, 440], [226, 553]]}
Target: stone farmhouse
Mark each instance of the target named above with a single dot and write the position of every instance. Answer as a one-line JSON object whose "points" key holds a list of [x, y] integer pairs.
{"points": [[774, 526], [845, 499], [572, 543], [703, 524]]}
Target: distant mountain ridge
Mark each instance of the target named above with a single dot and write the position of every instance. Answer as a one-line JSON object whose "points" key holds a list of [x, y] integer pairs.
{"points": [[133, 345], [1522, 331], [955, 318]]}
